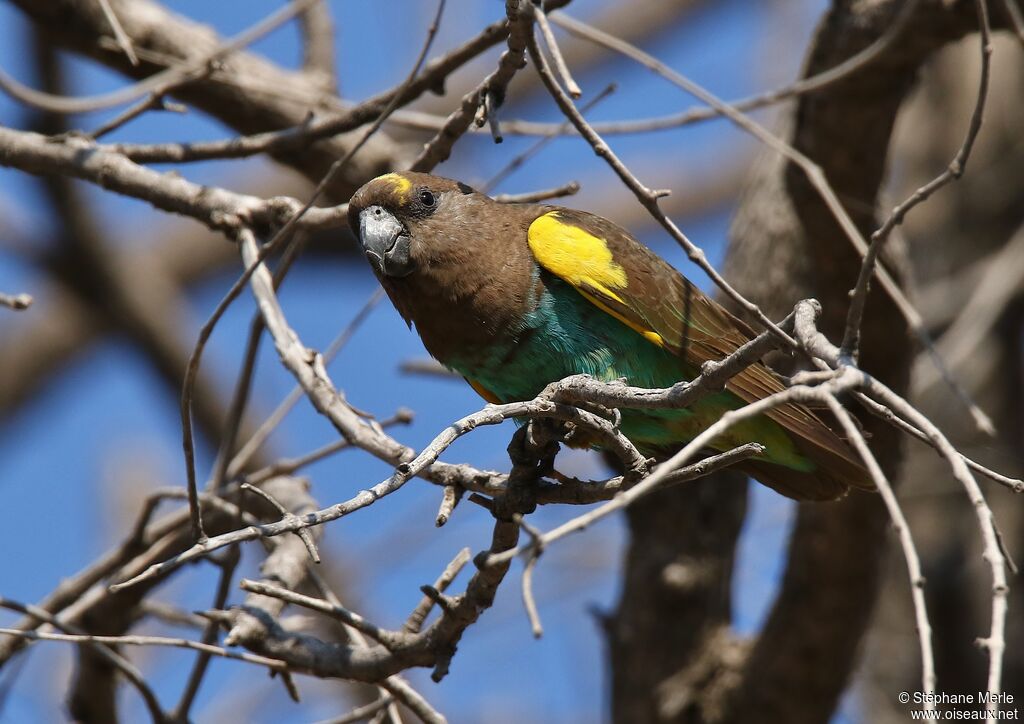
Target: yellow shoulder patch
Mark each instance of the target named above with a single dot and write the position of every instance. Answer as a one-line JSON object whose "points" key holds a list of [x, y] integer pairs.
{"points": [[575, 255], [400, 183], [585, 261]]}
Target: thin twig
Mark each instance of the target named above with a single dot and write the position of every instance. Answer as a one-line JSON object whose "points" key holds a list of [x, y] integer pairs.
{"points": [[539, 145], [487, 113], [533, 551], [122, 37], [995, 643], [1015, 485], [955, 169], [1016, 18], [210, 634], [88, 104], [556, 54], [831, 355], [272, 664], [361, 713], [490, 91], [188, 388], [993, 293], [243, 385], [17, 302], [419, 614], [156, 101], [287, 466], [303, 533], [534, 197], [119, 662], [570, 491], [245, 453], [394, 685], [383, 636], [449, 499], [899, 522]]}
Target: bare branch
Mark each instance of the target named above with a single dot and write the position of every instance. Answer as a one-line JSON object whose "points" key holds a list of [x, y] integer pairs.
{"points": [[228, 565], [537, 147], [122, 38], [65, 105], [995, 643], [156, 101], [108, 653], [272, 664], [217, 208], [302, 533], [388, 638], [254, 443], [953, 171], [534, 197], [362, 713], [541, 18], [318, 43], [419, 614], [287, 466], [17, 302], [899, 521], [491, 90]]}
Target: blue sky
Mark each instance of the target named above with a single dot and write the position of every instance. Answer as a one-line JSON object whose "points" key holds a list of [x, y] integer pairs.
{"points": [[109, 419]]}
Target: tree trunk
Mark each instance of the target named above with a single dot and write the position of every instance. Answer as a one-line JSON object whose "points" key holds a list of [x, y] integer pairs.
{"points": [[785, 245]]}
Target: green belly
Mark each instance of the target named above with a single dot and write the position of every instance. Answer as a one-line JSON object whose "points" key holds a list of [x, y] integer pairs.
{"points": [[567, 335]]}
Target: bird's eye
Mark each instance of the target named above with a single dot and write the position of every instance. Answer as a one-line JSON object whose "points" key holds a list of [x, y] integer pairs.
{"points": [[427, 198]]}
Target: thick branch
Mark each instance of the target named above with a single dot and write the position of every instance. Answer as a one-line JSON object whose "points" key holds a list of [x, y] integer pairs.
{"points": [[246, 93]]}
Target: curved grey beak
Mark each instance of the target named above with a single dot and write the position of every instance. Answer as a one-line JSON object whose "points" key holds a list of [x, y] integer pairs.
{"points": [[385, 242]]}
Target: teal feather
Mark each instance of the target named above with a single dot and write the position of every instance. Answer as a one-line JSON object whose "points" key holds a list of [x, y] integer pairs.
{"points": [[564, 334]]}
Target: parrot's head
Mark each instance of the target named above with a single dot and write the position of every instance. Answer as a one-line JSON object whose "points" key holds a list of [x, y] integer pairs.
{"points": [[406, 221]]}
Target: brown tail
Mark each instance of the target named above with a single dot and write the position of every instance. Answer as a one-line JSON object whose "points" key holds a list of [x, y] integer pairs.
{"points": [[837, 470]]}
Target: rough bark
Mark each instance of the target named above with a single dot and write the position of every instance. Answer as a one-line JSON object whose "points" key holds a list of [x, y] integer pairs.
{"points": [[675, 600]]}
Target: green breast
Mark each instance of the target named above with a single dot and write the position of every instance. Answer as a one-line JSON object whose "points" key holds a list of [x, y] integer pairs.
{"points": [[564, 334]]}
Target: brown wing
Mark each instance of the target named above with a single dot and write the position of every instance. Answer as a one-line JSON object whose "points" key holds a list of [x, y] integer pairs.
{"points": [[629, 281]]}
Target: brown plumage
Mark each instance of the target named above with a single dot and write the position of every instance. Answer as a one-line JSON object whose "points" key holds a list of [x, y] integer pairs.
{"points": [[516, 296]]}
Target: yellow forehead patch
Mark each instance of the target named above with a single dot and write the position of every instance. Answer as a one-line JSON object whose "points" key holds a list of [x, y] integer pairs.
{"points": [[400, 183], [575, 255]]}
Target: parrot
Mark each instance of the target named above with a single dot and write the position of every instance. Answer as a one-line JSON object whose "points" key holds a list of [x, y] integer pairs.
{"points": [[513, 297]]}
